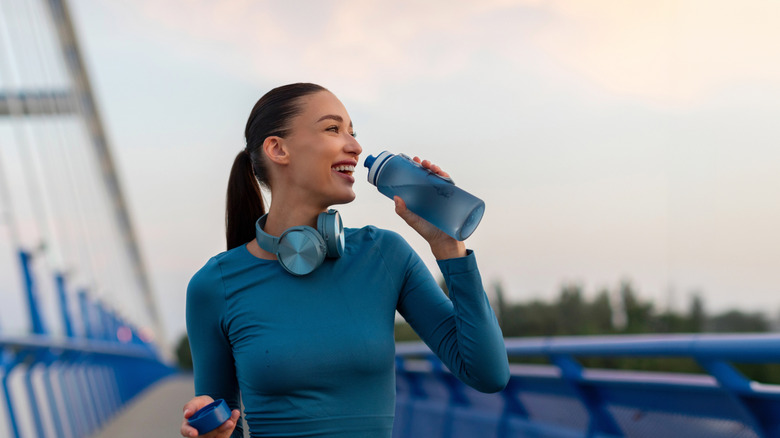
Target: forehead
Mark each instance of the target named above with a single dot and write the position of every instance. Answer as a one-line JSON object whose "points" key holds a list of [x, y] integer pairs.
{"points": [[322, 103]]}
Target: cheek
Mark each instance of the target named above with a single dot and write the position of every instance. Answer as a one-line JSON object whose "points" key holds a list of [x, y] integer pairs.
{"points": [[312, 175]]}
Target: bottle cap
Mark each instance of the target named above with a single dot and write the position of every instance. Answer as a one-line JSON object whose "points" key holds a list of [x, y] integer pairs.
{"points": [[210, 417], [375, 164]]}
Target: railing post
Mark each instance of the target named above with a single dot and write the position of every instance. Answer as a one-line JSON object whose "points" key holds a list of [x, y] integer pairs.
{"points": [[455, 390], [415, 393], [59, 279], [36, 323], [32, 396], [601, 421], [512, 408], [8, 366], [50, 395], [763, 423], [86, 315], [76, 420], [15, 360], [87, 405]]}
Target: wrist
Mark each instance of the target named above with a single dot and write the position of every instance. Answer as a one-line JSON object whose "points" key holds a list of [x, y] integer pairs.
{"points": [[448, 249]]}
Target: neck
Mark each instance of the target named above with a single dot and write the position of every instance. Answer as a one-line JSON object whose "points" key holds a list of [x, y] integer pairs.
{"points": [[282, 216]]}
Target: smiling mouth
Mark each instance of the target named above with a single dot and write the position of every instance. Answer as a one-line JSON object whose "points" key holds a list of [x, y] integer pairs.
{"points": [[345, 169]]}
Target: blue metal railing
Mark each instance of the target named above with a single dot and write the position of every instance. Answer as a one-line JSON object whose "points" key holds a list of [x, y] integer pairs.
{"points": [[70, 387], [566, 399]]}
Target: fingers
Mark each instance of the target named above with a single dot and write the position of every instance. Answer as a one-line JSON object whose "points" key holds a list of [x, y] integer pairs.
{"points": [[230, 423], [196, 403], [190, 408], [432, 167], [423, 227], [406, 214], [187, 430], [226, 429], [223, 431]]}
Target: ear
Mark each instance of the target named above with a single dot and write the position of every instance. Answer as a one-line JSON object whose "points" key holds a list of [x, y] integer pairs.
{"points": [[276, 150]]}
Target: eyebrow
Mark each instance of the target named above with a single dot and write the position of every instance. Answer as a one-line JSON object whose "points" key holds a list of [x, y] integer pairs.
{"points": [[335, 117]]}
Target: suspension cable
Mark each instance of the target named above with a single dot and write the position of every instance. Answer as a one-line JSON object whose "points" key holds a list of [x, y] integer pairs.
{"points": [[16, 117], [62, 167]]}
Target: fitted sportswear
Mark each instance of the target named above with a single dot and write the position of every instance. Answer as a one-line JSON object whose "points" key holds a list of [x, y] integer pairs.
{"points": [[314, 355]]}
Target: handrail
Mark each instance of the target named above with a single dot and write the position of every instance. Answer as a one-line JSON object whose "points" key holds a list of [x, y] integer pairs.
{"points": [[752, 347], [603, 403], [747, 348], [76, 345]]}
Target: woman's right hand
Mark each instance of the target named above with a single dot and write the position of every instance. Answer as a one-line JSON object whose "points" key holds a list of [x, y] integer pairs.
{"points": [[223, 431]]}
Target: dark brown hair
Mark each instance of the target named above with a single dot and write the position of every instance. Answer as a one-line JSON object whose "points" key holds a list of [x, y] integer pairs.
{"points": [[270, 116]]}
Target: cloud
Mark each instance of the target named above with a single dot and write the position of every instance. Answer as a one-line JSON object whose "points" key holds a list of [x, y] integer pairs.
{"points": [[352, 45], [662, 52], [666, 52]]}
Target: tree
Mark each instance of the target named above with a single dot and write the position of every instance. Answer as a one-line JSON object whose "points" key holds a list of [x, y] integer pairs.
{"points": [[570, 310], [638, 313], [500, 307], [736, 321], [183, 354], [696, 314], [600, 315]]}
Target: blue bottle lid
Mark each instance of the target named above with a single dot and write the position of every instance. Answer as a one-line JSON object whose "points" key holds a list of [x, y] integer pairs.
{"points": [[375, 164], [210, 417]]}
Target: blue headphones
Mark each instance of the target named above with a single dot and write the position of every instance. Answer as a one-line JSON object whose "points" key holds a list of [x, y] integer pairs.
{"points": [[302, 249]]}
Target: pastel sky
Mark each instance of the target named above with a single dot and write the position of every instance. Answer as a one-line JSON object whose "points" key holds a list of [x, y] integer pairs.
{"points": [[610, 140]]}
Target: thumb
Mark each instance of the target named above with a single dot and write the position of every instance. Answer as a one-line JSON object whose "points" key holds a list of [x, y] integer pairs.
{"points": [[401, 210], [413, 220], [400, 205]]}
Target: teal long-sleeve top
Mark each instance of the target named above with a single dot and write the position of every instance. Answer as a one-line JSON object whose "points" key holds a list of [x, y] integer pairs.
{"points": [[314, 355]]}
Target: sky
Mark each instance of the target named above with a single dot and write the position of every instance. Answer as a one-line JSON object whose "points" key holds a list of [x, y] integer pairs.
{"points": [[611, 141]]}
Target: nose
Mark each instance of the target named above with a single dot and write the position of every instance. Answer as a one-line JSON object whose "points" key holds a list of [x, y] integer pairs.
{"points": [[353, 146]]}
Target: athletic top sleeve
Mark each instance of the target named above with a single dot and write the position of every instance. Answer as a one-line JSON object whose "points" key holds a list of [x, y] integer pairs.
{"points": [[215, 372]]}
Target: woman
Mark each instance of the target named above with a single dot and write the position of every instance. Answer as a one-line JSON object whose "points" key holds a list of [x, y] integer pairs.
{"points": [[312, 354]]}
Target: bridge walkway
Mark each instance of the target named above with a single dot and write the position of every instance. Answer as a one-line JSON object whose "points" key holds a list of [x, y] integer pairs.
{"points": [[154, 413]]}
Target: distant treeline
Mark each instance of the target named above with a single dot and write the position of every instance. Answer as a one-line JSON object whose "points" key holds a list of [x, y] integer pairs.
{"points": [[620, 311]]}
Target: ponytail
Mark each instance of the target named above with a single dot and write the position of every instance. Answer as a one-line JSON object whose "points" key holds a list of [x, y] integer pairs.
{"points": [[270, 116], [244, 202]]}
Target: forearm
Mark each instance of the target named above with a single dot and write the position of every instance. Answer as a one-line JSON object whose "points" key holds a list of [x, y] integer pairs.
{"points": [[479, 357]]}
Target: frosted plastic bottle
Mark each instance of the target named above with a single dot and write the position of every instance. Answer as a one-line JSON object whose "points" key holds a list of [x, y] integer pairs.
{"points": [[436, 199]]}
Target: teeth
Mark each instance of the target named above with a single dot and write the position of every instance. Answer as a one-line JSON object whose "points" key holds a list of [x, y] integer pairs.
{"points": [[344, 168]]}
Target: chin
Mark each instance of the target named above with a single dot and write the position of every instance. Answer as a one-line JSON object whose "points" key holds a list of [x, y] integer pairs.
{"points": [[344, 199]]}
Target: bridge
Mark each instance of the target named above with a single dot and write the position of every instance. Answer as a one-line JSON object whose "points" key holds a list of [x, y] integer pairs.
{"points": [[80, 336]]}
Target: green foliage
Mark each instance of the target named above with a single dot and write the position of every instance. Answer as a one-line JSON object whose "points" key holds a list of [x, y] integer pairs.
{"points": [[183, 355], [639, 314], [621, 311], [404, 333], [736, 321]]}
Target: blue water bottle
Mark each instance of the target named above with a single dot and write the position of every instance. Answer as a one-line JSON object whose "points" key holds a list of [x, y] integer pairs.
{"points": [[432, 197]]}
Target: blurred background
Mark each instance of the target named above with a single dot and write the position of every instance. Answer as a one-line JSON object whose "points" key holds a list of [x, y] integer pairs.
{"points": [[627, 151]]}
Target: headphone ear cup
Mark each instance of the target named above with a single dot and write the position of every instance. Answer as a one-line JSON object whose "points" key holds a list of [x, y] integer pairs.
{"points": [[301, 250], [332, 230]]}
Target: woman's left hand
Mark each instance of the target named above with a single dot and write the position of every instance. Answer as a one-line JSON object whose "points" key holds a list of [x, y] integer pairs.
{"points": [[442, 245]]}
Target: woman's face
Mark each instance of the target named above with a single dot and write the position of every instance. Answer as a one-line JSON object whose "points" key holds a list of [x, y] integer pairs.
{"points": [[323, 150]]}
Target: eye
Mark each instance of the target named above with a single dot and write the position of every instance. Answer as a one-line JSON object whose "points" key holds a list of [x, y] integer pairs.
{"points": [[333, 128], [353, 133]]}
